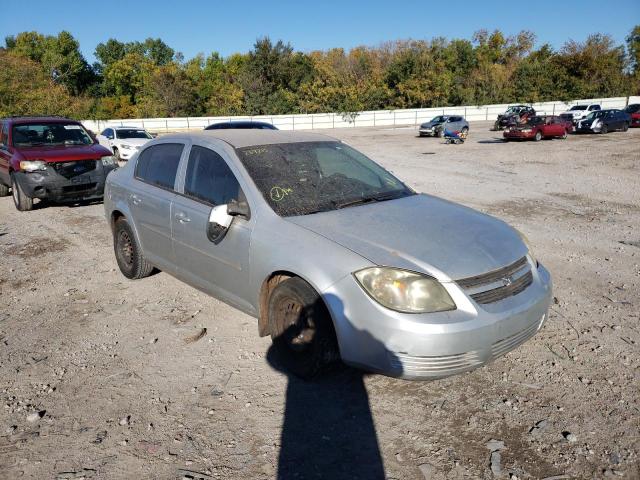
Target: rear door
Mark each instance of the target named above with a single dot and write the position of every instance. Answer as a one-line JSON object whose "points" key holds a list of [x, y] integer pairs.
{"points": [[150, 201], [221, 268]]}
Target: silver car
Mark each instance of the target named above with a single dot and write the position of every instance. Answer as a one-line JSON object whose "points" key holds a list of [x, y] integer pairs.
{"points": [[437, 125], [333, 255]]}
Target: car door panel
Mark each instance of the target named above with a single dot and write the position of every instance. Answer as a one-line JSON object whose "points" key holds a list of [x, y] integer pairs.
{"points": [[151, 208], [221, 269]]}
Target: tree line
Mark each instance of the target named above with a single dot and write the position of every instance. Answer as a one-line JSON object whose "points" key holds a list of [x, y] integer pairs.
{"points": [[47, 74]]}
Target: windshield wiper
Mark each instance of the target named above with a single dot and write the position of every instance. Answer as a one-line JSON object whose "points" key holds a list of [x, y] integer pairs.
{"points": [[364, 200]]}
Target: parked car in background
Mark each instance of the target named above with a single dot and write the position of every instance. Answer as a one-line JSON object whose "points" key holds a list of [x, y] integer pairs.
{"points": [[604, 121], [50, 158], [437, 125], [634, 111], [334, 255], [242, 124], [539, 127], [578, 112], [124, 141], [513, 115]]}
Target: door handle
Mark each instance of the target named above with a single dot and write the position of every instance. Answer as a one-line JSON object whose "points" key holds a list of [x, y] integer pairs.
{"points": [[135, 199], [182, 217]]}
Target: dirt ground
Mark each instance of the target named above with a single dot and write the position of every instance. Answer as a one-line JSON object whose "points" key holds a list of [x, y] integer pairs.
{"points": [[106, 378]]}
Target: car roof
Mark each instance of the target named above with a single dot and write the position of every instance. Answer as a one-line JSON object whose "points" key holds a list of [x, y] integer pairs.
{"points": [[125, 127], [248, 138], [27, 119]]}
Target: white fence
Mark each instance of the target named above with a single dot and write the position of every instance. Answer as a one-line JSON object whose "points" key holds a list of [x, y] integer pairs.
{"points": [[376, 118]]}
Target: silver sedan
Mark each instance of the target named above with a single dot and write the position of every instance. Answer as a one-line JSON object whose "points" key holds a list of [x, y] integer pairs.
{"points": [[335, 257]]}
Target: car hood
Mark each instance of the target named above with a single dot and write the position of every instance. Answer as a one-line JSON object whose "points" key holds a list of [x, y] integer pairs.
{"points": [[421, 233], [134, 142], [430, 124], [63, 153]]}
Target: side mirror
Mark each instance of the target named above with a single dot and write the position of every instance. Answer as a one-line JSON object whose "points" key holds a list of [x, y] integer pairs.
{"points": [[238, 209], [219, 222]]}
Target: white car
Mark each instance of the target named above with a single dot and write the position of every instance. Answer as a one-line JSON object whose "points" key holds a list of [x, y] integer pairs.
{"points": [[578, 112], [124, 141]]}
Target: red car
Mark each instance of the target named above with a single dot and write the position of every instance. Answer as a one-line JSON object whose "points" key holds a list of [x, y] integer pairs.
{"points": [[51, 158], [634, 111], [539, 127]]}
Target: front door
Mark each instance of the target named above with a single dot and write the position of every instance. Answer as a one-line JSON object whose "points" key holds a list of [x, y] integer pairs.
{"points": [[221, 268]]}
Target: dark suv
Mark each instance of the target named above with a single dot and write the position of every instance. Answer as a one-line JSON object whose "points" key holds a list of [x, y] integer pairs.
{"points": [[50, 158]]}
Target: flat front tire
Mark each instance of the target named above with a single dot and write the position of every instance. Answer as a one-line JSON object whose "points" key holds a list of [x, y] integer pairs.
{"points": [[301, 328], [128, 253], [22, 202]]}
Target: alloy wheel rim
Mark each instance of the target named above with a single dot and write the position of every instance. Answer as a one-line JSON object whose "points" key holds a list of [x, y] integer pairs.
{"points": [[126, 247], [297, 339]]}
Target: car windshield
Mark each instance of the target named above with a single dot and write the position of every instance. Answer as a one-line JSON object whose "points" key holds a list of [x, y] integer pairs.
{"points": [[438, 119], [578, 107], [535, 120], [309, 177], [633, 108], [597, 114], [132, 133], [50, 133]]}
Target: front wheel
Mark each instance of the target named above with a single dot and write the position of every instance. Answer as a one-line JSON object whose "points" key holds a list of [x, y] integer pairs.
{"points": [[625, 127], [128, 253], [538, 136], [564, 135], [20, 199], [301, 328], [440, 133], [604, 128]]}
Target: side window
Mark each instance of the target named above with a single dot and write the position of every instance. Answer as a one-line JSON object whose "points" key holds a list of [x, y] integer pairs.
{"points": [[595, 107], [3, 134], [209, 178], [158, 164]]}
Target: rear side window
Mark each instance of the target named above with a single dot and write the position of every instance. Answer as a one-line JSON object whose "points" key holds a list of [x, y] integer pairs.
{"points": [[209, 178], [158, 164]]}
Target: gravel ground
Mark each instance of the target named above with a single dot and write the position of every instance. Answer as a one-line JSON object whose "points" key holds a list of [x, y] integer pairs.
{"points": [[101, 377]]}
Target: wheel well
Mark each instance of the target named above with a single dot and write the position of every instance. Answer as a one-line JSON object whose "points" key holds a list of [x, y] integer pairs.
{"points": [[271, 282], [115, 215]]}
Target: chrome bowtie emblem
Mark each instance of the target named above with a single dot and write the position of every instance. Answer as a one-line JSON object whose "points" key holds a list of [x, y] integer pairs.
{"points": [[506, 281]]}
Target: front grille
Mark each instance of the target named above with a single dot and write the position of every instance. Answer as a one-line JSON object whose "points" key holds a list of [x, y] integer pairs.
{"points": [[500, 293], [73, 169], [493, 276], [515, 278], [79, 188], [434, 365]]}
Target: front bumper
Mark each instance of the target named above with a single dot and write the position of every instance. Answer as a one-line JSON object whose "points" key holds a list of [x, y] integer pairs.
{"points": [[427, 131], [436, 345], [50, 184]]}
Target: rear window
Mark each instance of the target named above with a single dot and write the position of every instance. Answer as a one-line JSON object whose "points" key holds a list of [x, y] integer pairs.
{"points": [[635, 108], [158, 164], [578, 107]]}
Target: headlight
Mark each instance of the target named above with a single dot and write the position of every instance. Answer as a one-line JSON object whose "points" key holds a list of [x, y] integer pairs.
{"points": [[33, 165], [526, 130], [525, 240], [108, 161], [404, 291]]}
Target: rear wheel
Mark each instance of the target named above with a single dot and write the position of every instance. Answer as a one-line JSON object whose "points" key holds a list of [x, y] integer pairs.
{"points": [[20, 199], [301, 328], [4, 190], [625, 127], [128, 253], [604, 128], [564, 135], [538, 136]]}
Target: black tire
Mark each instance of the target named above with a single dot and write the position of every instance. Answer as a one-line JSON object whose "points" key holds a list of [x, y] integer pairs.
{"points": [[20, 199], [464, 129], [625, 127], [128, 254], [604, 128], [116, 153], [538, 136], [4, 190], [441, 133], [301, 329]]}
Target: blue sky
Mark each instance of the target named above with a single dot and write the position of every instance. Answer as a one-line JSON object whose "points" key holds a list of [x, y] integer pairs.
{"points": [[228, 26]]}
